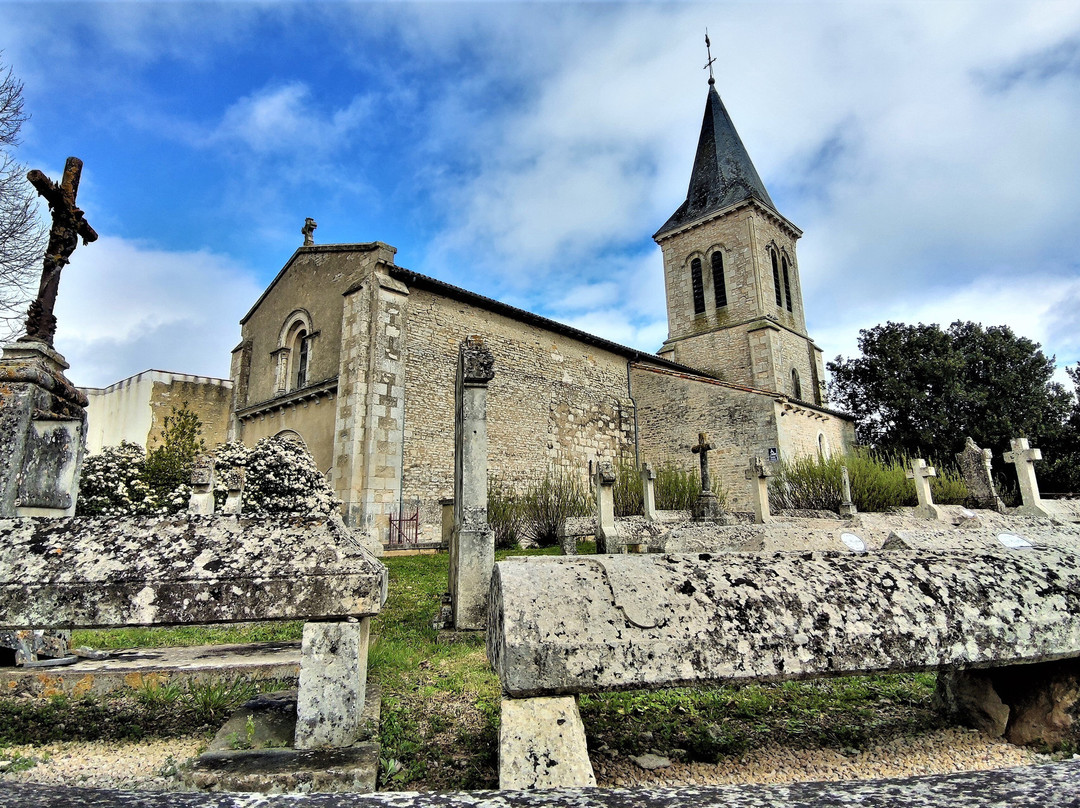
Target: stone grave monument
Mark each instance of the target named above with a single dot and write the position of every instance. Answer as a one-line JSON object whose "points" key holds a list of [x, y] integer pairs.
{"points": [[975, 466], [921, 474], [707, 507], [42, 414]]}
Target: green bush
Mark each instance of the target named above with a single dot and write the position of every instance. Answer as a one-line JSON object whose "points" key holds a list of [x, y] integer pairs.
{"points": [[877, 483], [506, 512], [675, 489]]}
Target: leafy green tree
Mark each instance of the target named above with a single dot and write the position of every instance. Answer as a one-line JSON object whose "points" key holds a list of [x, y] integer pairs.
{"points": [[168, 465], [920, 390]]}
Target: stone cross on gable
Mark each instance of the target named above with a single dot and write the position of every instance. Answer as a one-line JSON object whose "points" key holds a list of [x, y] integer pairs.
{"points": [[702, 450], [68, 226], [1023, 456], [308, 231], [921, 474]]}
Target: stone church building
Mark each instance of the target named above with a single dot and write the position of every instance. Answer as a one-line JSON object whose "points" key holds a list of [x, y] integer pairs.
{"points": [[356, 356]]}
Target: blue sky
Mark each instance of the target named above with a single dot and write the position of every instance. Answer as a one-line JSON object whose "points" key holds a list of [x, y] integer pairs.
{"points": [[928, 150]]}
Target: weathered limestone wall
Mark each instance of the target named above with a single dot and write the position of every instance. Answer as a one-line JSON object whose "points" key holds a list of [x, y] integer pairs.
{"points": [[134, 409], [554, 401], [805, 432], [312, 419], [585, 625], [672, 409]]}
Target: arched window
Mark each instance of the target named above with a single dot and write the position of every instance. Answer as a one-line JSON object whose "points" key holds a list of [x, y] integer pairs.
{"points": [[796, 387], [719, 289], [776, 278], [698, 286], [787, 281], [300, 351]]}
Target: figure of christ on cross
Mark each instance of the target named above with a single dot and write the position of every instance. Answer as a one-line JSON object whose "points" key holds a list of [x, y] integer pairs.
{"points": [[702, 449], [68, 225]]}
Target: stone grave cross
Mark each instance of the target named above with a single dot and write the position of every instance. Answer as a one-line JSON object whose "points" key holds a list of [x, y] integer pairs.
{"points": [[702, 450], [758, 474], [308, 231], [707, 506], [921, 474], [68, 225], [1023, 456], [847, 507], [648, 492]]}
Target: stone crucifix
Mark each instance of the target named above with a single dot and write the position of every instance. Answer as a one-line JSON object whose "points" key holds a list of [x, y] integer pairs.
{"points": [[702, 451], [921, 473], [68, 225], [308, 231]]}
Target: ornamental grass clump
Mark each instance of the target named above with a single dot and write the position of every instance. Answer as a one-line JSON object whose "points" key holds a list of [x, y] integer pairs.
{"points": [[550, 501], [675, 489], [506, 512], [877, 483]]}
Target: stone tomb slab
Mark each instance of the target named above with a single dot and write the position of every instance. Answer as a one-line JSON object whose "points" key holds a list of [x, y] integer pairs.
{"points": [[1053, 784], [96, 573], [1066, 538], [587, 625]]}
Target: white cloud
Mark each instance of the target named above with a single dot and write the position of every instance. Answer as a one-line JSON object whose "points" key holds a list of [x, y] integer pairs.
{"points": [[125, 307]]}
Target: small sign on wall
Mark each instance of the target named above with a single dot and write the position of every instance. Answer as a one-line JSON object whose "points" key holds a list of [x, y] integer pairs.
{"points": [[774, 455]]}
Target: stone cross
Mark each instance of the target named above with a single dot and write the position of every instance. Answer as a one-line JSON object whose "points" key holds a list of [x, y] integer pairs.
{"points": [[921, 474], [607, 534], [68, 225], [702, 450], [847, 507], [308, 231], [1023, 456], [202, 486], [758, 474], [234, 484], [648, 491], [472, 546], [975, 466]]}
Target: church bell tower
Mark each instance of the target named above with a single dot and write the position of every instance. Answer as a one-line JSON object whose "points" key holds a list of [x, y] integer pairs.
{"points": [[734, 299]]}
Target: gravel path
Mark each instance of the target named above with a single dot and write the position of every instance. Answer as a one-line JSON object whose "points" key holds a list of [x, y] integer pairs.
{"points": [[949, 750], [151, 765]]}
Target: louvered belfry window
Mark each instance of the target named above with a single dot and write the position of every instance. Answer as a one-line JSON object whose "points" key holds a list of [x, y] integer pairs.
{"points": [[698, 286], [719, 289]]}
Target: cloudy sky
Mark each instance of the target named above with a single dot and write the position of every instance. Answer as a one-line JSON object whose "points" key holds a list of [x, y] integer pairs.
{"points": [[929, 151]]}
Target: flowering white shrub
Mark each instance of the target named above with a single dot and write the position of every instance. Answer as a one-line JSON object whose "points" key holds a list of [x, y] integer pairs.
{"points": [[280, 478], [112, 484]]}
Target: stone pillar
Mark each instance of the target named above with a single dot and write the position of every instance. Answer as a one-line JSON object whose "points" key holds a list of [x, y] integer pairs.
{"points": [[201, 501], [1023, 457], [472, 549], [758, 474], [607, 534], [234, 484], [648, 491], [42, 443], [847, 507], [975, 466], [333, 684], [921, 474], [42, 433]]}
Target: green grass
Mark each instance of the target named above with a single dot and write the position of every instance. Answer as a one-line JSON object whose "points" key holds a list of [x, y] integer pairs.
{"points": [[440, 711]]}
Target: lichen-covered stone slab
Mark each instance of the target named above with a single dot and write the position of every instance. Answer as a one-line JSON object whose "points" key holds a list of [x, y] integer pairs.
{"points": [[587, 625], [542, 744], [1017, 538], [101, 572], [333, 684], [1056, 785]]}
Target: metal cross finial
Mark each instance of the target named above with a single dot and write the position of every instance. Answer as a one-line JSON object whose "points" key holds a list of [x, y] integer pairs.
{"points": [[709, 64]]}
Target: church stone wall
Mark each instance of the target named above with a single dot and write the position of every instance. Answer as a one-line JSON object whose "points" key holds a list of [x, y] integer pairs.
{"points": [[554, 402], [312, 420], [672, 409], [208, 398], [806, 432]]}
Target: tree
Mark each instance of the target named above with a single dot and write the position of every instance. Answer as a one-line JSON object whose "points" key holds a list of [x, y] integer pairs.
{"points": [[921, 391], [22, 234], [169, 465]]}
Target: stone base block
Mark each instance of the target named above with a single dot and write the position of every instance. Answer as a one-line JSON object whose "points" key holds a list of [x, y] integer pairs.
{"points": [[931, 512], [474, 558], [1027, 704], [706, 508], [542, 745], [333, 683]]}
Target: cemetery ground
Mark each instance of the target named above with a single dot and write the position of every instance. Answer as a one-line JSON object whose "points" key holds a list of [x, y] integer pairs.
{"points": [[440, 713]]}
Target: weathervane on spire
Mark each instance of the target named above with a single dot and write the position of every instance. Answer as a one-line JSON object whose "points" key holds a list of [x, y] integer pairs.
{"points": [[708, 64]]}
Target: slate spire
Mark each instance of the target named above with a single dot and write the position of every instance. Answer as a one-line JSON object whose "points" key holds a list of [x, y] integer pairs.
{"points": [[723, 174]]}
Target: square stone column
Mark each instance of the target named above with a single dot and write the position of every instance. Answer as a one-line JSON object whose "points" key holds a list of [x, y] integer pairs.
{"points": [[648, 492], [42, 433], [608, 539], [758, 474], [472, 546]]}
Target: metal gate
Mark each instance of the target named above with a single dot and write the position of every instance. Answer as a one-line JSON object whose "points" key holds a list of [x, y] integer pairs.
{"points": [[405, 528]]}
